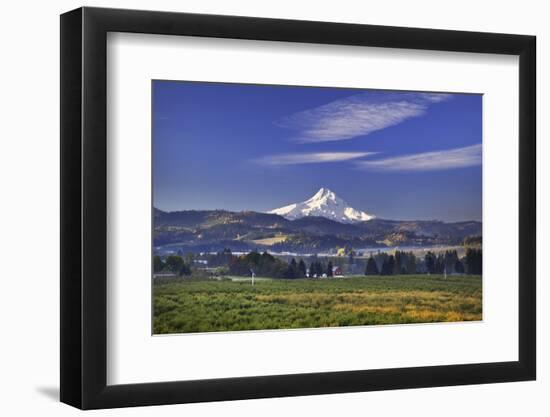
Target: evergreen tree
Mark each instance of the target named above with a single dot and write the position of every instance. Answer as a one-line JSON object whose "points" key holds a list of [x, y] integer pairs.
{"points": [[474, 262], [459, 267], [429, 259], [391, 264], [289, 273], [292, 270], [301, 269], [384, 268], [371, 269], [388, 266], [158, 264], [397, 263], [319, 269], [451, 257], [411, 263], [439, 264], [311, 270], [351, 261], [380, 258], [329, 269]]}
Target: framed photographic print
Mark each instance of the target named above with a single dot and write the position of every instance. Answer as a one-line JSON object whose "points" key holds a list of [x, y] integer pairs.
{"points": [[257, 208]]}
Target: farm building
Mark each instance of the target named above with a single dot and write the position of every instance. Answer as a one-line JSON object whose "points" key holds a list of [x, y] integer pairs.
{"points": [[337, 271]]}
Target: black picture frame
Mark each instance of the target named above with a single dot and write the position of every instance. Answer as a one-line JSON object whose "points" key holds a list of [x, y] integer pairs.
{"points": [[84, 207]]}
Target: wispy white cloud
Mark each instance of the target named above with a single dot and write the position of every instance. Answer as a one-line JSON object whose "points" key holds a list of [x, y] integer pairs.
{"points": [[310, 158], [434, 97], [427, 161], [359, 115]]}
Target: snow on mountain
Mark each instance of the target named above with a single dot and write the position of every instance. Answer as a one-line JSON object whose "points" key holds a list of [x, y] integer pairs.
{"points": [[324, 203]]}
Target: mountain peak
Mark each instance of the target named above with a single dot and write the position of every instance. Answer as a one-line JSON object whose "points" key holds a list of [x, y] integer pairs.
{"points": [[324, 203], [323, 193]]}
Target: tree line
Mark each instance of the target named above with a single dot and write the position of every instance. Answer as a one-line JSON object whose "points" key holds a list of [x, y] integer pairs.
{"points": [[407, 263], [265, 264], [172, 263]]}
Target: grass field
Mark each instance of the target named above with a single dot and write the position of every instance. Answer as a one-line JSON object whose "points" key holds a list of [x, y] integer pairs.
{"points": [[268, 241], [225, 305]]}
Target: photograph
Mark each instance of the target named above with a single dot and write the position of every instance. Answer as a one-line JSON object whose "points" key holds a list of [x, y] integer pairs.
{"points": [[234, 183], [281, 207]]}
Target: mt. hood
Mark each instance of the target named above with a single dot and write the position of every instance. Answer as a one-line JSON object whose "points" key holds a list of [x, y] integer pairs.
{"points": [[324, 203]]}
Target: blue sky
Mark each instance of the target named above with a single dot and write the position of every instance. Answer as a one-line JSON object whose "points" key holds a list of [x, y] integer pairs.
{"points": [[397, 155]]}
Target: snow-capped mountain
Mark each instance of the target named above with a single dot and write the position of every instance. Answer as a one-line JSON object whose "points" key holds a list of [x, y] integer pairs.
{"points": [[324, 203]]}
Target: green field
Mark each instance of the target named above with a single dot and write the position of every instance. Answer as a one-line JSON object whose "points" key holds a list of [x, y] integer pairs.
{"points": [[225, 305]]}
